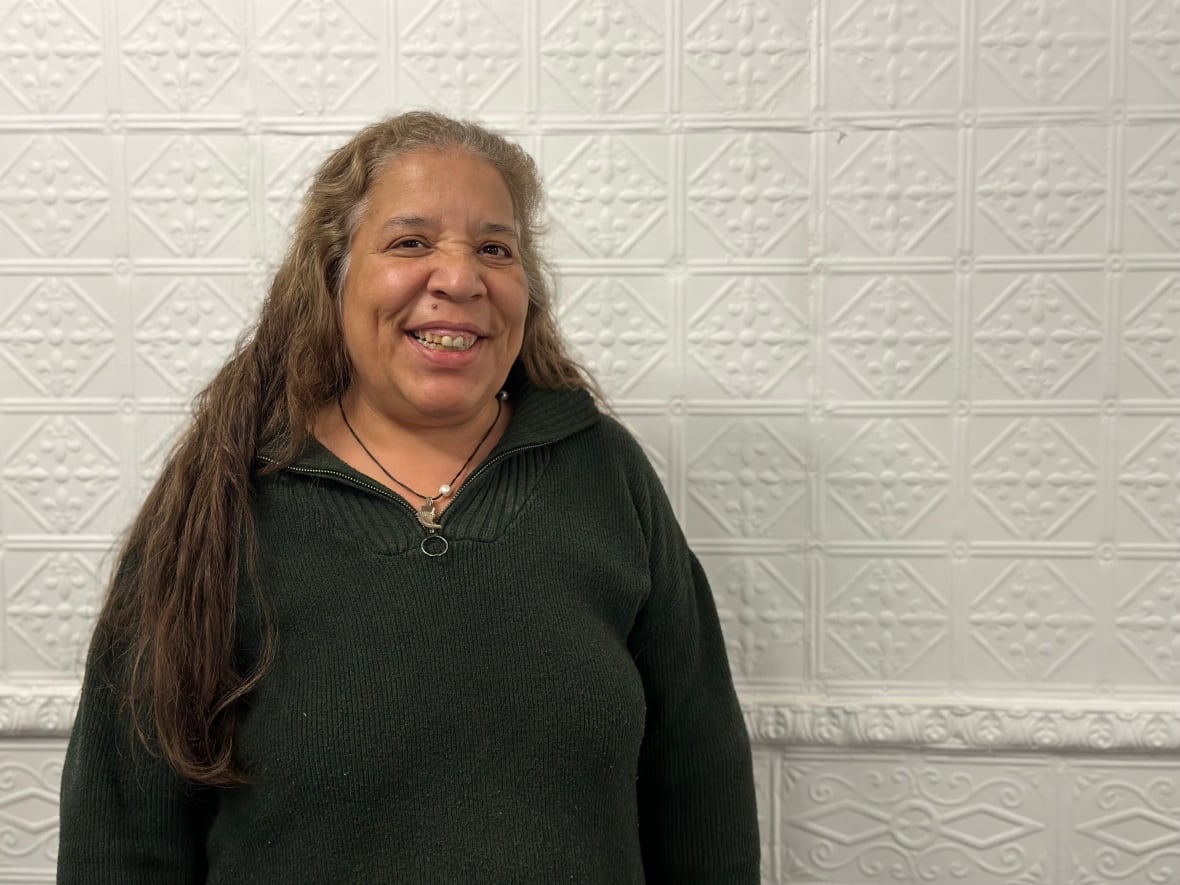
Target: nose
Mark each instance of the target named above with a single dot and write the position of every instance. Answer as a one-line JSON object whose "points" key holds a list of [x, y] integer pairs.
{"points": [[457, 276]]}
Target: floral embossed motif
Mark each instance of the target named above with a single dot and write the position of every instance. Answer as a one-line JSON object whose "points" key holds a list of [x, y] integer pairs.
{"points": [[748, 336], [616, 331], [51, 196], [189, 195], [746, 478], [61, 474], [187, 331], [1041, 189], [1044, 49], [888, 478], [1031, 620], [318, 54], [54, 606], [891, 336], [607, 196], [750, 195], [1149, 480], [460, 52], [1034, 478], [47, 54], [183, 51], [56, 336], [1038, 335], [895, 51], [892, 193], [602, 52], [746, 53], [885, 619]]}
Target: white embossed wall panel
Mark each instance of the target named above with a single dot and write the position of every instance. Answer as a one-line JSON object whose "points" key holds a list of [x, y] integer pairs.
{"points": [[888, 289]]}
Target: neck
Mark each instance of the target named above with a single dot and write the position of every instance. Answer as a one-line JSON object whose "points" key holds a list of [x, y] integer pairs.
{"points": [[385, 431]]}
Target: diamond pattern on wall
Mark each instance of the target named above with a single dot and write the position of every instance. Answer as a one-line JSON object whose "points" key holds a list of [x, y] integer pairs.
{"points": [[187, 332], [56, 336], [1031, 620], [1148, 620], [29, 809], [885, 619], [748, 337], [287, 184], [1149, 480], [52, 196], [829, 256], [759, 609], [601, 53], [747, 53], [1153, 43], [53, 608], [749, 195], [1128, 824], [914, 821], [607, 196], [318, 54], [47, 54], [460, 52], [746, 478], [61, 474], [1151, 336], [183, 51], [189, 195], [890, 337], [1044, 50], [894, 52], [1152, 191], [1034, 478], [1038, 335], [617, 334], [892, 193], [888, 478], [1041, 189]]}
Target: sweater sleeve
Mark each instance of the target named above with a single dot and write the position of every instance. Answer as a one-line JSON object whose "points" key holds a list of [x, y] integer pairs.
{"points": [[697, 813], [126, 817]]}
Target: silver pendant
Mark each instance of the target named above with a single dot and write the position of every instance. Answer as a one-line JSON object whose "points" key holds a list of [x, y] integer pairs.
{"points": [[428, 517]]}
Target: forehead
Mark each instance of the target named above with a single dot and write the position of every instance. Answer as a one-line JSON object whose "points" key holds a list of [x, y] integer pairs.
{"points": [[441, 176]]}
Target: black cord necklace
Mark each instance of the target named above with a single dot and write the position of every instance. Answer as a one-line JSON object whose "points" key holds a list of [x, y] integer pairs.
{"points": [[427, 515]]}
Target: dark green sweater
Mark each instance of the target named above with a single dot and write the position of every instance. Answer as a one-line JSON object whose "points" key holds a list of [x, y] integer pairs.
{"points": [[549, 701]]}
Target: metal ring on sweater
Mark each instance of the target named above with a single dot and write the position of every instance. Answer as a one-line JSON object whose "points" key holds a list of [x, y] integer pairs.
{"points": [[438, 548]]}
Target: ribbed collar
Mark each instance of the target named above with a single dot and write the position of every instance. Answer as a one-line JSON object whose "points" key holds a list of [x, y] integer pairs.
{"points": [[539, 417]]}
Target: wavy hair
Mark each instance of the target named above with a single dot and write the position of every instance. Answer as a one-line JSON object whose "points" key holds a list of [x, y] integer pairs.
{"points": [[166, 634]]}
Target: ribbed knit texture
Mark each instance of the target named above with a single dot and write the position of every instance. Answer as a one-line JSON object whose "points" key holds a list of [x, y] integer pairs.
{"points": [[547, 702]]}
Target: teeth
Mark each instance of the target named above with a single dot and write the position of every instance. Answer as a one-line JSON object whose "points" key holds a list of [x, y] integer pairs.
{"points": [[448, 342]]}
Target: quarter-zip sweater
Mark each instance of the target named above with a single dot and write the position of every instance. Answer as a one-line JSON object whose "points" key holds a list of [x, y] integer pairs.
{"points": [[548, 701]]}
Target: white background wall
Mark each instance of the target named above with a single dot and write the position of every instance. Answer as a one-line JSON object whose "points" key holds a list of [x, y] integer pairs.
{"points": [[889, 288]]}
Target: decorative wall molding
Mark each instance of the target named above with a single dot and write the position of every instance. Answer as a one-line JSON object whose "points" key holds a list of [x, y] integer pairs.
{"points": [[37, 711], [975, 726], [906, 723]]}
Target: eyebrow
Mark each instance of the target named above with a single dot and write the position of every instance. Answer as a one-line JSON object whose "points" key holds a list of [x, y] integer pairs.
{"points": [[401, 221]]}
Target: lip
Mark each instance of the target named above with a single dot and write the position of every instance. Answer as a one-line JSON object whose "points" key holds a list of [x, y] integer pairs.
{"points": [[441, 328], [444, 359]]}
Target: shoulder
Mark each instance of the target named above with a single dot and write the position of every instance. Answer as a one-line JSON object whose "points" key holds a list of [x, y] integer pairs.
{"points": [[609, 439]]}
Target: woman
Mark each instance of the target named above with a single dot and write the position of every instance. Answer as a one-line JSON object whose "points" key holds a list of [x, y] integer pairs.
{"points": [[404, 606]]}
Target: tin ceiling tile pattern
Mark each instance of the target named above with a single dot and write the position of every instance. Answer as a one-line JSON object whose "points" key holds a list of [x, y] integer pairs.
{"points": [[887, 289]]}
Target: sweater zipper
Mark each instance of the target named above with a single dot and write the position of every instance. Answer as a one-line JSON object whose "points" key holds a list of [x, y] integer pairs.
{"points": [[316, 471]]}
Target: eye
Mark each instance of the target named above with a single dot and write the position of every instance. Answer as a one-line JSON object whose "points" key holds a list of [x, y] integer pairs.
{"points": [[496, 250], [408, 243]]}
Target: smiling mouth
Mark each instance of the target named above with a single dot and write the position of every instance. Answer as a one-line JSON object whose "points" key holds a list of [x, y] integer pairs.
{"points": [[449, 343]]}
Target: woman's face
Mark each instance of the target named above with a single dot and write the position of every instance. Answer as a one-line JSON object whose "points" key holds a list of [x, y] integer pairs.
{"points": [[435, 299]]}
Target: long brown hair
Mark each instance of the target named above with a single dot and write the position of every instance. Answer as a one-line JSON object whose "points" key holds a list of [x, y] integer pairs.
{"points": [[169, 619]]}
